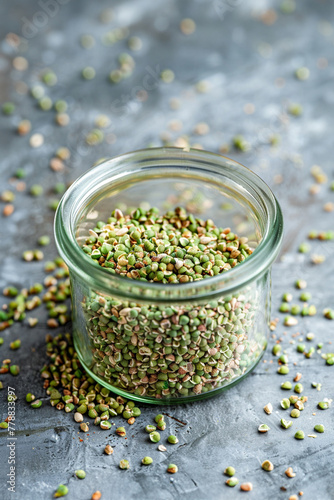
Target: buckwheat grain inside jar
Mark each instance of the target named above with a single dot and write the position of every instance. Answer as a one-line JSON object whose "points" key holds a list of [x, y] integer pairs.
{"points": [[140, 328]]}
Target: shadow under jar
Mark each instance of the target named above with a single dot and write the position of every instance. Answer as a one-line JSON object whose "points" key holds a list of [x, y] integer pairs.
{"points": [[159, 342]]}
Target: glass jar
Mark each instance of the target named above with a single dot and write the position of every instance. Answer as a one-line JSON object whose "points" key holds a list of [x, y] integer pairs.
{"points": [[170, 343]]}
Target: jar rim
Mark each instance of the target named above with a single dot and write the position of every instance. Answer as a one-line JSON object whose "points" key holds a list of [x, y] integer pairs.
{"points": [[212, 288]]}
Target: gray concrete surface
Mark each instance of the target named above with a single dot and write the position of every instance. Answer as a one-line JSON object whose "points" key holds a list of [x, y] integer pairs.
{"points": [[244, 61]]}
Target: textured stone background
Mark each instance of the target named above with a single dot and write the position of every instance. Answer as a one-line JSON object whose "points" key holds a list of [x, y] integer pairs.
{"points": [[245, 60]]}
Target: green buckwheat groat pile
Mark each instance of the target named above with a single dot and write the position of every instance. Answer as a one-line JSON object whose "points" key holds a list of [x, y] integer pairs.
{"points": [[168, 351], [170, 248]]}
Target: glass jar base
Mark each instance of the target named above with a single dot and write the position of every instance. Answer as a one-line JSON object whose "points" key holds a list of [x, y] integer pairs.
{"points": [[167, 400]]}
